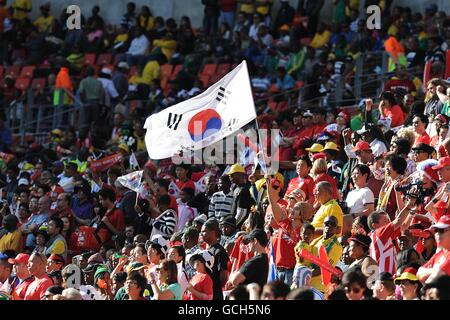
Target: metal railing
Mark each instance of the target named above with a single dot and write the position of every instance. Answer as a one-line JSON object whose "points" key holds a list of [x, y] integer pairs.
{"points": [[28, 116]]}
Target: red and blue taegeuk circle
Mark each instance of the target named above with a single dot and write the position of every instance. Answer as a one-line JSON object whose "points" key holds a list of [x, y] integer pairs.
{"points": [[204, 124]]}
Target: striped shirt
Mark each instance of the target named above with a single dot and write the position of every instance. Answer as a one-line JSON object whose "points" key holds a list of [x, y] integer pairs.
{"points": [[220, 205], [165, 223]]}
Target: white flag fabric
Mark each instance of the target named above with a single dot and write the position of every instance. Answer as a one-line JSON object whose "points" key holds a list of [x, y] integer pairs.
{"points": [[200, 185], [134, 164], [221, 110], [132, 180], [174, 190]]}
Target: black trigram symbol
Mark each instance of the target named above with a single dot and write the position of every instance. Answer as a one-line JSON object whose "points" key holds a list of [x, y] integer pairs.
{"points": [[174, 120], [221, 94], [232, 122]]}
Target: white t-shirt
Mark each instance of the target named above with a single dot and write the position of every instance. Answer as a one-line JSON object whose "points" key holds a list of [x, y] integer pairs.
{"points": [[378, 148], [357, 198]]}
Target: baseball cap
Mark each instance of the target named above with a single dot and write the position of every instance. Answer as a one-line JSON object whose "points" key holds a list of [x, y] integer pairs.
{"points": [[134, 266], [307, 113], [228, 220], [423, 147], [95, 258], [106, 71], [426, 168], [330, 146], [362, 146], [257, 234], [443, 162], [201, 218], [20, 258], [441, 118], [56, 258], [443, 223], [407, 274], [364, 129], [160, 241], [204, 255], [100, 270], [236, 168], [363, 240], [319, 155], [123, 65], [316, 147]]}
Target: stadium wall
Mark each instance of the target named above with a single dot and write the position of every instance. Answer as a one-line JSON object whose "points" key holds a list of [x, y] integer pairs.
{"points": [[112, 10]]}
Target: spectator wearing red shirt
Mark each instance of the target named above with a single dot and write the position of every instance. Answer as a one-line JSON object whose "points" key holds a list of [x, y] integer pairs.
{"points": [[382, 248], [400, 83], [419, 125], [113, 222], [201, 285], [182, 172], [439, 264], [303, 181], [63, 206], [23, 277], [289, 131], [36, 266], [389, 108], [287, 235], [319, 120], [306, 133], [319, 170]]}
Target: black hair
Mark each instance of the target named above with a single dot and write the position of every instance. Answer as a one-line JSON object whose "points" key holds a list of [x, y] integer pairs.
{"points": [[442, 284], [55, 290], [278, 288], [164, 200], [140, 279], [422, 118], [354, 276], [189, 192], [303, 293], [398, 163], [163, 183], [213, 225], [364, 169], [306, 159], [240, 293], [58, 221], [308, 226], [403, 146], [192, 233], [120, 277], [107, 193]]}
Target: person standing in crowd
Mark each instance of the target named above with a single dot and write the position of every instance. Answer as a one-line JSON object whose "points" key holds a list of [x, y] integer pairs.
{"points": [[201, 285], [210, 235], [242, 199], [168, 288], [221, 201], [112, 223], [23, 278]]}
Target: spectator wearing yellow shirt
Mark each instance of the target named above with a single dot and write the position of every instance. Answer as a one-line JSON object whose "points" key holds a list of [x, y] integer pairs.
{"points": [[57, 243], [139, 135], [166, 46], [323, 193], [263, 7], [247, 7], [21, 9], [321, 37], [45, 22], [333, 248], [307, 234], [146, 19], [150, 72], [12, 239]]}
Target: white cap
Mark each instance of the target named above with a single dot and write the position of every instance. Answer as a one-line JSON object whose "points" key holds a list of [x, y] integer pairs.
{"points": [[123, 65], [23, 181], [106, 71]]}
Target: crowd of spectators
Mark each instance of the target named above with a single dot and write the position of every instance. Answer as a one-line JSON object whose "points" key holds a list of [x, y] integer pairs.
{"points": [[363, 192]]}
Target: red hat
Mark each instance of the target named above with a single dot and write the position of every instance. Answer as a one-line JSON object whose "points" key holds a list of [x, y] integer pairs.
{"points": [[426, 167], [56, 258], [441, 118], [20, 258], [362, 146], [344, 115], [443, 162], [320, 155], [443, 223]]}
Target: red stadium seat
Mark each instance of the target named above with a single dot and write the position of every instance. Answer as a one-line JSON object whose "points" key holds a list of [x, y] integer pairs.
{"points": [[22, 83], [223, 69], [1, 70], [104, 58], [205, 80], [13, 71], [299, 84], [175, 72], [209, 69], [27, 72], [166, 70], [90, 58], [38, 83]]}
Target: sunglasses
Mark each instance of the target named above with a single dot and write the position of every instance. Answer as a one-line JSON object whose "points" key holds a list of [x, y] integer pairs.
{"points": [[355, 290], [404, 282]]}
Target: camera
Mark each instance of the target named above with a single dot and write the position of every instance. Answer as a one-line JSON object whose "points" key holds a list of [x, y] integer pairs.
{"points": [[419, 195]]}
